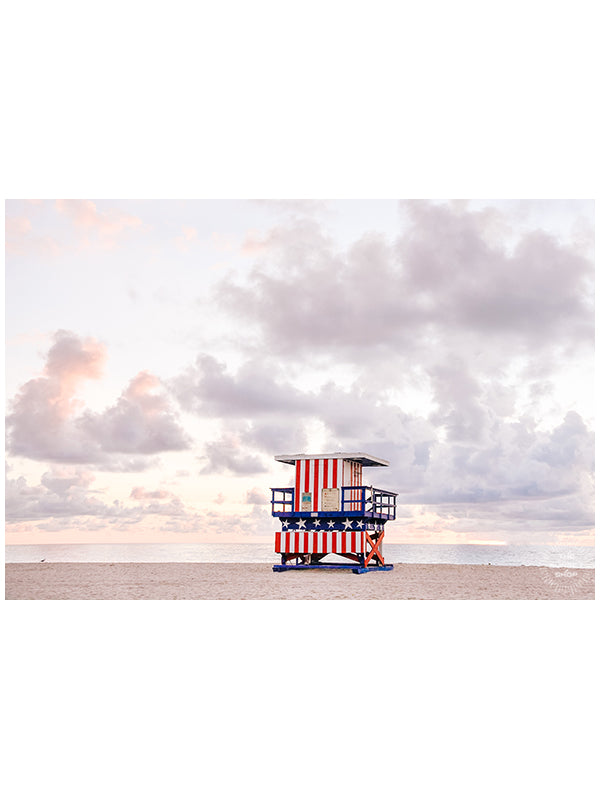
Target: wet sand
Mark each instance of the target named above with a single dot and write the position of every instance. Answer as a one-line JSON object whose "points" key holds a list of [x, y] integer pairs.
{"points": [[191, 581]]}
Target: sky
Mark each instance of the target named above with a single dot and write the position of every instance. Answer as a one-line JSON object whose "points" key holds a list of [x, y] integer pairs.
{"points": [[159, 354]]}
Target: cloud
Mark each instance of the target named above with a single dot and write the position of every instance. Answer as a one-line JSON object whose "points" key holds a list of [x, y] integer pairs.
{"points": [[17, 226], [48, 421], [253, 244], [209, 390], [280, 434], [62, 481], [448, 281], [139, 493], [188, 235], [64, 498], [475, 312], [239, 449], [458, 395], [295, 208], [514, 464], [264, 415], [20, 239], [470, 451], [256, 497], [533, 294], [42, 421], [69, 362], [60, 494], [141, 422], [106, 227], [227, 454]]}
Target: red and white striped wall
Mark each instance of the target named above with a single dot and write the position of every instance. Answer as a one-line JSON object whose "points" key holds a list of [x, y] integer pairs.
{"points": [[315, 474], [353, 477], [320, 541]]}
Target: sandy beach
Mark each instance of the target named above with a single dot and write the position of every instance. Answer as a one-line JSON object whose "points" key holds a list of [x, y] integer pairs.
{"points": [[201, 581]]}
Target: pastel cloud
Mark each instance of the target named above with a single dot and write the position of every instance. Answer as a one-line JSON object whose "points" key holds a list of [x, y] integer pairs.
{"points": [[253, 244], [139, 493], [64, 481], [258, 408], [449, 276], [210, 390], [228, 454], [455, 304], [17, 226], [256, 497], [472, 449], [142, 421], [107, 226], [41, 422], [47, 421], [63, 498], [20, 239], [188, 234], [159, 501], [71, 361], [61, 493]]}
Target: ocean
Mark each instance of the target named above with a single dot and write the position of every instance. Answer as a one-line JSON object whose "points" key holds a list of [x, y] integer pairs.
{"points": [[255, 553]]}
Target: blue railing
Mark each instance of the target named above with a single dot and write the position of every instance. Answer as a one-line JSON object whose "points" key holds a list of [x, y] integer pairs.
{"points": [[285, 504], [368, 501], [359, 501]]}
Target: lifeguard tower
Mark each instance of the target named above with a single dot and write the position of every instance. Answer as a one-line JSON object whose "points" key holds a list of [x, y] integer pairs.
{"points": [[329, 510]]}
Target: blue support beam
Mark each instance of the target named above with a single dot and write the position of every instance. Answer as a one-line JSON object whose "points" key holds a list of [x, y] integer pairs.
{"points": [[356, 568]]}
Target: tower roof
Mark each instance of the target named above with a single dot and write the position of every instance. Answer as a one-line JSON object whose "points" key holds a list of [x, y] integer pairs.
{"points": [[361, 458]]}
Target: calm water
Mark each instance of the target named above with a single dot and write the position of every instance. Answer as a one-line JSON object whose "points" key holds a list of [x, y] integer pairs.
{"points": [[502, 555]]}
